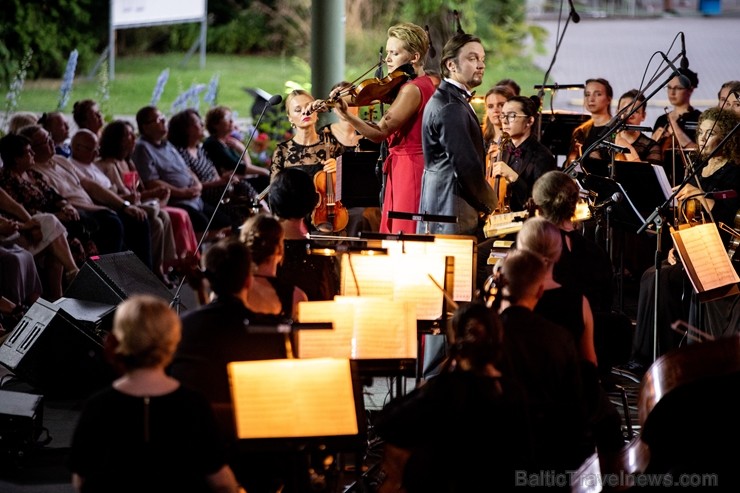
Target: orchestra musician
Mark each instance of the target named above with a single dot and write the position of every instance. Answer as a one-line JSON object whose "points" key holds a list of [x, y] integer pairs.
{"points": [[400, 126], [495, 99], [597, 99], [454, 182], [526, 158], [674, 130], [721, 172], [641, 147]]}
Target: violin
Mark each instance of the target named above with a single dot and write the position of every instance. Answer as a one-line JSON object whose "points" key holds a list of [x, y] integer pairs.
{"points": [[499, 183], [329, 215], [369, 91]]}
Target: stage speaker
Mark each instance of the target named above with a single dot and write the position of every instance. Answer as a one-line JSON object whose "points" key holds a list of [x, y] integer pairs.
{"points": [[58, 354], [113, 277], [21, 423]]}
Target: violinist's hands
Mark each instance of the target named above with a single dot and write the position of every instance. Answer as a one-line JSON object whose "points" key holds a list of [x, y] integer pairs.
{"points": [[317, 105], [500, 168], [688, 191], [330, 165], [672, 258], [493, 150]]}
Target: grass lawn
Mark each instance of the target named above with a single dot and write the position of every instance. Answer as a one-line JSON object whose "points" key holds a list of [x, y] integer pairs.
{"points": [[136, 77]]}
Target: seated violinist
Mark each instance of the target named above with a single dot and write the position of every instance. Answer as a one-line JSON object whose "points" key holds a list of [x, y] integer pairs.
{"points": [[523, 159], [721, 172]]}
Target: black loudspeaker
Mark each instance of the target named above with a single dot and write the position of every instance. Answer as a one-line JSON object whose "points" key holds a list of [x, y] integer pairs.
{"points": [[57, 353], [113, 277], [21, 423]]}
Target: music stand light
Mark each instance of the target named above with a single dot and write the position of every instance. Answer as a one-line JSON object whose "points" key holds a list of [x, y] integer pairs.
{"points": [[293, 398]]}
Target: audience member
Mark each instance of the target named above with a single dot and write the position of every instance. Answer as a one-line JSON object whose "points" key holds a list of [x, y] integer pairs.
{"points": [[116, 146], [159, 164], [137, 230], [56, 124], [220, 124], [103, 223], [270, 295], [20, 120], [86, 114], [147, 432], [235, 195]]}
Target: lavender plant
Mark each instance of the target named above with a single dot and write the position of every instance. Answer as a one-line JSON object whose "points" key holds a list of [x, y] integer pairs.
{"points": [[67, 81], [159, 87], [16, 87]]}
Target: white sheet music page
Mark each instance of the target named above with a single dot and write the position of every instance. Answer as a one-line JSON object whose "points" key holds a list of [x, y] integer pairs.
{"points": [[665, 184], [705, 257], [319, 343]]}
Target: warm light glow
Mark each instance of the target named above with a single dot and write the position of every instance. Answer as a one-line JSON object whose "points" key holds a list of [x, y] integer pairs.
{"points": [[364, 328], [293, 398]]}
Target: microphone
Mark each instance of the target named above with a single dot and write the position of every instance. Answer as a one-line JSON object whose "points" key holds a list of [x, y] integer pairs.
{"points": [[685, 82], [684, 60], [573, 14], [637, 128], [721, 194], [614, 147], [615, 198], [276, 99]]}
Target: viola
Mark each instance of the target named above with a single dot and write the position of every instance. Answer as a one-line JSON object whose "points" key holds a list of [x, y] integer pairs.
{"points": [[329, 215], [499, 183]]}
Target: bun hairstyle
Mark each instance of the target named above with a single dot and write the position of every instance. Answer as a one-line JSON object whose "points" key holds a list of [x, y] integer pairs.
{"points": [[475, 335], [262, 234], [556, 195]]}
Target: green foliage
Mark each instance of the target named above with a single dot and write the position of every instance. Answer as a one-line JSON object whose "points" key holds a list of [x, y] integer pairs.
{"points": [[52, 30], [247, 32]]}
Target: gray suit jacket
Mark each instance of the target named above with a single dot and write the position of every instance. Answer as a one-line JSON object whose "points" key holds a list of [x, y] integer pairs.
{"points": [[453, 182]]}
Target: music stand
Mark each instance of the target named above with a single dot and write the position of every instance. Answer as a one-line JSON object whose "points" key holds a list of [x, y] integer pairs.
{"points": [[643, 186], [425, 218], [357, 184], [557, 130]]}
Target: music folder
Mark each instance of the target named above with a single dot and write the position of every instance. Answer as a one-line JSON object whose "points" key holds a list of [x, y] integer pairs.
{"points": [[357, 183], [706, 261]]}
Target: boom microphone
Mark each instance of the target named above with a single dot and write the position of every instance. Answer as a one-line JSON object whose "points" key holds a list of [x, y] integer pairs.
{"points": [[685, 82], [684, 60], [276, 99], [573, 14], [614, 199]]}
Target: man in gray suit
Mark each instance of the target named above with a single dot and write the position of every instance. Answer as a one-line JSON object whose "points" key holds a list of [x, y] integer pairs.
{"points": [[454, 182]]}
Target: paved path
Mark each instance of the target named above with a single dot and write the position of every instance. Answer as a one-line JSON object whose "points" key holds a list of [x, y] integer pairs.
{"points": [[619, 50]]}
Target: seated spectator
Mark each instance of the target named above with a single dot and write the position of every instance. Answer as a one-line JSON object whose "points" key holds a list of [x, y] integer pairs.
{"points": [[86, 114], [225, 189], [56, 124], [159, 435], [228, 155], [27, 196], [102, 223], [159, 164], [116, 146], [136, 226], [20, 120]]}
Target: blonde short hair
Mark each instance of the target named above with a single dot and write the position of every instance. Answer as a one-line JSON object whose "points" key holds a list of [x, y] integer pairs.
{"points": [[542, 237], [147, 331], [414, 37]]}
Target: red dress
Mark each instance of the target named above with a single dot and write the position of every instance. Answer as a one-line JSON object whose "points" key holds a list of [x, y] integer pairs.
{"points": [[404, 166]]}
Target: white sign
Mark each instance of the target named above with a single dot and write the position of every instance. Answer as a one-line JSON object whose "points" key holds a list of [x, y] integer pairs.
{"points": [[131, 13]]}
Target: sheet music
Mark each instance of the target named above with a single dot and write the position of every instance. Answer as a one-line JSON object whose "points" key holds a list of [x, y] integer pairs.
{"points": [[402, 277], [293, 398], [462, 248], [665, 184], [705, 257], [334, 343], [364, 328]]}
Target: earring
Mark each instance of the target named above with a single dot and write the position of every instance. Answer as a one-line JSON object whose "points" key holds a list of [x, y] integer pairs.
{"points": [[292, 125]]}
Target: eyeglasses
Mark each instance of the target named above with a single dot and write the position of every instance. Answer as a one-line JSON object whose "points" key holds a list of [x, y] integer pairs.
{"points": [[510, 116], [675, 88]]}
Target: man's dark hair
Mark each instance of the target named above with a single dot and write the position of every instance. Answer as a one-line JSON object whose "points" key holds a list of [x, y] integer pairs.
{"points": [[292, 194], [228, 264], [452, 49]]}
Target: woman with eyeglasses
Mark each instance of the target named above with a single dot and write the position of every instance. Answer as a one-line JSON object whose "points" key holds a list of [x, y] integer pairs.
{"points": [[525, 159], [597, 100]]}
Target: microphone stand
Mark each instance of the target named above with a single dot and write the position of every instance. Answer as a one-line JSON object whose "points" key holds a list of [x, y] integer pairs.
{"points": [[541, 90], [657, 217], [175, 303]]}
